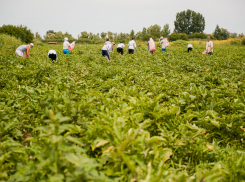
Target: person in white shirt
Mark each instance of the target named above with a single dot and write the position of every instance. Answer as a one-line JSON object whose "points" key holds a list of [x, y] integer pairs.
{"points": [[209, 46], [120, 48], [66, 45], [52, 55], [189, 48], [131, 46], [23, 50], [106, 49], [163, 43]]}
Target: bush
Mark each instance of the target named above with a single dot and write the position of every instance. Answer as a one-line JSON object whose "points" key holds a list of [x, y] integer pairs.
{"points": [[243, 41], [9, 42], [236, 42], [58, 40], [21, 32], [177, 36], [197, 36], [179, 43], [146, 37]]}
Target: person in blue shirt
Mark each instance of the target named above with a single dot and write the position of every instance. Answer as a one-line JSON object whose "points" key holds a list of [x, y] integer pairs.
{"points": [[148, 45]]}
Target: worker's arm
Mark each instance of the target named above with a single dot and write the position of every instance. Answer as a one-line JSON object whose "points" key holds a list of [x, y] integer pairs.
{"points": [[27, 51]]}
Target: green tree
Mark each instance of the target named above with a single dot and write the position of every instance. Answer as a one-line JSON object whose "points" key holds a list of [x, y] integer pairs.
{"points": [[38, 36], [50, 31], [241, 35], [49, 36], [103, 35], [110, 35], [59, 35], [225, 34], [144, 32], [145, 35], [84, 35], [69, 36], [189, 22], [217, 33], [122, 35], [91, 36], [132, 34], [138, 35], [233, 35], [97, 36], [177, 36], [21, 32], [154, 31], [166, 31]]}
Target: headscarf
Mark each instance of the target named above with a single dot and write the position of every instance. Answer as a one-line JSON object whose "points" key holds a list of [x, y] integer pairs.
{"points": [[31, 44], [65, 39]]}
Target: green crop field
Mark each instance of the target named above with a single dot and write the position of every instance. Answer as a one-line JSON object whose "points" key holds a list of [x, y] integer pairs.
{"points": [[167, 117]]}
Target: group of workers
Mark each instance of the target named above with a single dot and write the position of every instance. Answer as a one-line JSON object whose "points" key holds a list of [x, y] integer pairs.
{"points": [[23, 50]]}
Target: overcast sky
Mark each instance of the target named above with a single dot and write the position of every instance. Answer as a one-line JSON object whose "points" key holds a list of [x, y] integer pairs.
{"points": [[75, 16]]}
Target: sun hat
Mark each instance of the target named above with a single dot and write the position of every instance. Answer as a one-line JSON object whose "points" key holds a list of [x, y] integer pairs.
{"points": [[161, 37], [32, 44], [113, 43]]}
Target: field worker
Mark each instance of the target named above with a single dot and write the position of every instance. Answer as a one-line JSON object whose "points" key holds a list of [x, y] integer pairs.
{"points": [[52, 55], [209, 46], [163, 43], [106, 49], [148, 45], [66, 45], [23, 50], [120, 48], [107, 41], [112, 46], [131, 46], [189, 48]]}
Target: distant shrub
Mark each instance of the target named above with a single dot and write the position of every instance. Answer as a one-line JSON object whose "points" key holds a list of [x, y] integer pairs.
{"points": [[200, 36], [146, 37], [21, 32], [58, 40], [179, 43], [236, 42], [9, 42], [243, 41], [177, 36], [197, 36]]}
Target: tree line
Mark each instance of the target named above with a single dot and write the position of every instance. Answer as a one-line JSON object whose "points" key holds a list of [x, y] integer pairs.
{"points": [[188, 25]]}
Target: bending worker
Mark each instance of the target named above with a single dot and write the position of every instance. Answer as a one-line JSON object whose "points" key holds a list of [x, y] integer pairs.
{"points": [[189, 48], [23, 50], [120, 48], [66, 45], [106, 49], [52, 55]]}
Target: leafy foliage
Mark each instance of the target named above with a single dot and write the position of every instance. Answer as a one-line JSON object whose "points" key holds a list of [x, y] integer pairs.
{"points": [[21, 32], [221, 33], [57, 35], [177, 36], [162, 117], [189, 22]]}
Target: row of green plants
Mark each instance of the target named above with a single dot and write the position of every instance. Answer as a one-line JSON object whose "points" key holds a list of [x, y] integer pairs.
{"points": [[170, 116]]}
